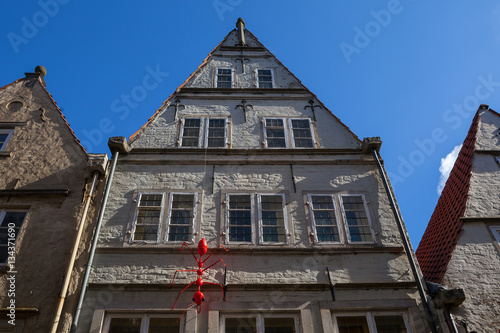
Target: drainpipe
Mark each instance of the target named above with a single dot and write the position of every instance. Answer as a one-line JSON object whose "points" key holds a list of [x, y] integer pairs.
{"points": [[94, 244], [399, 222], [64, 290]]}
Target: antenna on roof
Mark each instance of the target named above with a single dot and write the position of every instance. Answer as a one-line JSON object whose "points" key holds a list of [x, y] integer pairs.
{"points": [[240, 25]]}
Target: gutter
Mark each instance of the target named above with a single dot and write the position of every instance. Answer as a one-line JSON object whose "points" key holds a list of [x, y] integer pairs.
{"points": [[64, 289], [399, 222], [94, 244]]}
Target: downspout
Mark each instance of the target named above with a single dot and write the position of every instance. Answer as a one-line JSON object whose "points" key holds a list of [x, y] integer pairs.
{"points": [[399, 222], [64, 289], [94, 244]]}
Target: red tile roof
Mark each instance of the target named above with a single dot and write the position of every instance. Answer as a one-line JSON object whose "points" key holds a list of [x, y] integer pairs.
{"points": [[441, 236]]}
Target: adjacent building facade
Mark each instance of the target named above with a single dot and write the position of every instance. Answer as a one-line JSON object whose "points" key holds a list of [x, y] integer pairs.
{"points": [[49, 190], [460, 248], [243, 155]]}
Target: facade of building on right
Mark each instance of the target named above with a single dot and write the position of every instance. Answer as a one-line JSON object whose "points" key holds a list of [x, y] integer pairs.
{"points": [[460, 249]]}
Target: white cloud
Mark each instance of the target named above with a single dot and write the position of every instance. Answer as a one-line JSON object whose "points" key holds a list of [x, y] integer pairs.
{"points": [[446, 166]]}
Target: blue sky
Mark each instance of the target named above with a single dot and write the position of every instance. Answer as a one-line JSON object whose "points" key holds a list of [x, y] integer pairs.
{"points": [[410, 71]]}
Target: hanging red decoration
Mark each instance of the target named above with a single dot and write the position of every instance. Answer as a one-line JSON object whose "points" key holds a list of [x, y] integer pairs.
{"points": [[199, 297]]}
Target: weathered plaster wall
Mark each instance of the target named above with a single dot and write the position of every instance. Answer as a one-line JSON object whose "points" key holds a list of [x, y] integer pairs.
{"points": [[474, 267], [43, 155]]}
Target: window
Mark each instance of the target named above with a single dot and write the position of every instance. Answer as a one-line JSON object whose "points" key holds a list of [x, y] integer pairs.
{"points": [[239, 218], [301, 130], [272, 216], [324, 218], [353, 225], [496, 232], [357, 221], [260, 323], [150, 224], [191, 133], [149, 216], [371, 323], [4, 138], [10, 224], [274, 133], [181, 217], [139, 323], [224, 78], [278, 130], [265, 78]]}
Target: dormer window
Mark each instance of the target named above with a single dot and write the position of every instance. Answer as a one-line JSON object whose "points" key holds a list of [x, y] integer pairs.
{"points": [[224, 78], [4, 138], [265, 78]]}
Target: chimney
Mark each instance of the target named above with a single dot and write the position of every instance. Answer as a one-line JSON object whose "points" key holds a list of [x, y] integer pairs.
{"points": [[240, 25]]}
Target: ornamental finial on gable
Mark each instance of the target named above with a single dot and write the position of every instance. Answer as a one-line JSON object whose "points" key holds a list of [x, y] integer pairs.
{"points": [[240, 25]]}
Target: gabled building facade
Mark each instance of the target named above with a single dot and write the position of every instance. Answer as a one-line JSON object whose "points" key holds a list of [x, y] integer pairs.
{"points": [[50, 191], [460, 248], [243, 155]]}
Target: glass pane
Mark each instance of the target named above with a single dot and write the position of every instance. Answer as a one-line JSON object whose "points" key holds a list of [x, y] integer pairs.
{"points": [[3, 138], [151, 200], [265, 78], [240, 218], [146, 233], [356, 218], [279, 325], [148, 216], [301, 131], [224, 78], [162, 325], [13, 217], [352, 324], [191, 132], [241, 325], [390, 324], [181, 217], [125, 325]]}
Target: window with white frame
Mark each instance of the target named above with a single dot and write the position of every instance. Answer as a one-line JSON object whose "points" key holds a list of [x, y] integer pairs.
{"points": [[142, 323], [239, 218], [301, 130], [286, 132], [356, 219], [265, 77], [272, 218], [371, 322], [260, 323], [181, 217], [275, 133], [148, 217], [150, 224], [214, 129], [353, 224], [11, 222], [496, 233], [4, 138], [224, 77], [324, 218]]}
